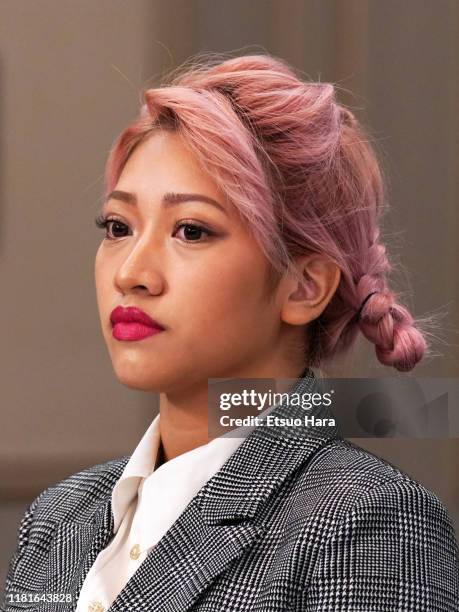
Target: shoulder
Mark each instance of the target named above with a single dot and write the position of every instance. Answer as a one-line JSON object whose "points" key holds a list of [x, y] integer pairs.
{"points": [[380, 535], [74, 498], [357, 476], [359, 495], [77, 496]]}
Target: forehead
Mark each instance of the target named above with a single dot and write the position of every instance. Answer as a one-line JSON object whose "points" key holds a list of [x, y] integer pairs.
{"points": [[164, 161]]}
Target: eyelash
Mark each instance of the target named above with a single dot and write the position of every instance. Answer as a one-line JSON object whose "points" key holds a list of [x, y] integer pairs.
{"points": [[103, 223]]}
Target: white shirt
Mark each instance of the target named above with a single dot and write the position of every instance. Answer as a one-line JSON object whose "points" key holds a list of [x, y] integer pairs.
{"points": [[146, 502]]}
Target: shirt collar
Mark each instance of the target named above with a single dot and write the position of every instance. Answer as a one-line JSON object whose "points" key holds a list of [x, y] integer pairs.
{"points": [[140, 465], [206, 459]]}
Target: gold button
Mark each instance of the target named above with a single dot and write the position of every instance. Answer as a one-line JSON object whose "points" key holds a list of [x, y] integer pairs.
{"points": [[96, 606], [135, 552]]}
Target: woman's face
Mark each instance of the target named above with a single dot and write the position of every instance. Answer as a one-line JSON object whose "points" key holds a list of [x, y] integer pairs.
{"points": [[205, 285]]}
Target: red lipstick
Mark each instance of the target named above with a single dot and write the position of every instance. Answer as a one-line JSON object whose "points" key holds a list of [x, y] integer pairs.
{"points": [[131, 323]]}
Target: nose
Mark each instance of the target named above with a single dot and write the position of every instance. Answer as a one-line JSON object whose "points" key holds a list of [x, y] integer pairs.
{"points": [[139, 270]]}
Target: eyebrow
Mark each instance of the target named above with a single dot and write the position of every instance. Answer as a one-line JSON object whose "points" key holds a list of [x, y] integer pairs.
{"points": [[169, 199]]}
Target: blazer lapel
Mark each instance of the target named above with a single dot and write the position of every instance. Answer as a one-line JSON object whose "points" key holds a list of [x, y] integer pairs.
{"points": [[102, 531], [219, 524], [75, 546], [184, 563]]}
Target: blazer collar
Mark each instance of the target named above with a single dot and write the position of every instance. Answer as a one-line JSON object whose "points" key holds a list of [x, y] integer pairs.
{"points": [[216, 527], [266, 458], [260, 464]]}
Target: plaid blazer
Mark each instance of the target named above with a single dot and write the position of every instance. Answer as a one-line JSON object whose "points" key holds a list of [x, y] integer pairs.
{"points": [[292, 522]]}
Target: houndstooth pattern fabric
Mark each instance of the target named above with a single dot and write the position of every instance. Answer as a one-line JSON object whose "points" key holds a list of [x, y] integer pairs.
{"points": [[293, 521]]}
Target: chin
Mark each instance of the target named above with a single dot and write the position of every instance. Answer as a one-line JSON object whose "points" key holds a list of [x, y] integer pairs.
{"points": [[138, 381], [141, 378]]}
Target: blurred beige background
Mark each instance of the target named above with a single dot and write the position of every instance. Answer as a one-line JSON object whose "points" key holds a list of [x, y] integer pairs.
{"points": [[70, 75]]}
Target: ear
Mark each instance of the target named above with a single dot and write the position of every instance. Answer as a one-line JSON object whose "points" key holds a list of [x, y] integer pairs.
{"points": [[305, 301]]}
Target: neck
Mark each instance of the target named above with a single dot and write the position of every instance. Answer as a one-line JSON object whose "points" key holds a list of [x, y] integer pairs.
{"points": [[183, 413]]}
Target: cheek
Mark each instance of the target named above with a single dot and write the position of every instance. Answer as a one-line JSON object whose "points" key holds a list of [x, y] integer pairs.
{"points": [[98, 260], [102, 276], [225, 297], [98, 275]]}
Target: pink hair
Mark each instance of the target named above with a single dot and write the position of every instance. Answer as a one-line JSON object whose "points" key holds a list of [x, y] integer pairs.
{"points": [[299, 168]]}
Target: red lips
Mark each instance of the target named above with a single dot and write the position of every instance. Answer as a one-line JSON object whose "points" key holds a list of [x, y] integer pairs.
{"points": [[131, 323]]}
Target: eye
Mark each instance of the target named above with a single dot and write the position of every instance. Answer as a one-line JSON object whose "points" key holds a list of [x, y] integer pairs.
{"points": [[105, 223], [113, 226], [192, 231]]}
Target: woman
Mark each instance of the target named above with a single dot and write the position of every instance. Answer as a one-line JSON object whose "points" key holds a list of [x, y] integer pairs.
{"points": [[242, 242]]}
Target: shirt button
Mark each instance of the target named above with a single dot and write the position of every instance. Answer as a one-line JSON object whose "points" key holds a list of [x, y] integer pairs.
{"points": [[135, 552], [96, 606]]}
